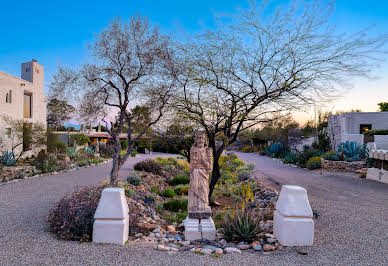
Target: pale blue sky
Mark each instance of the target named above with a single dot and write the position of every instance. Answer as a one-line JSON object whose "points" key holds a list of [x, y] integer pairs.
{"points": [[58, 32]]}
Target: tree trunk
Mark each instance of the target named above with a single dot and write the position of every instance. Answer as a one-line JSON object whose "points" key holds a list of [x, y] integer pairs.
{"points": [[114, 174], [216, 173]]}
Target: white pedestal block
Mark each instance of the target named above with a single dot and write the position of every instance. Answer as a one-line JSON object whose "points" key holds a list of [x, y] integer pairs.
{"points": [[293, 223], [208, 229], [111, 223], [192, 230], [377, 174], [199, 230], [293, 231]]}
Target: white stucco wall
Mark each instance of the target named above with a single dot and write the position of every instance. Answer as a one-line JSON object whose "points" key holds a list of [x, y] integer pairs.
{"points": [[381, 142], [18, 87], [346, 126]]}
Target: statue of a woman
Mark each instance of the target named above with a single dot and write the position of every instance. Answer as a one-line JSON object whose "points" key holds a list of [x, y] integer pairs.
{"points": [[201, 164]]}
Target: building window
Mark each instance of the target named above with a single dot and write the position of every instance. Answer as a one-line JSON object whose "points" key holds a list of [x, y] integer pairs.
{"points": [[365, 127], [27, 69], [8, 97], [27, 105], [7, 134]]}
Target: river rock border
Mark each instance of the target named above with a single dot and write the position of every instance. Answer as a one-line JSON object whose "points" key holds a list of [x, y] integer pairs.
{"points": [[342, 165]]}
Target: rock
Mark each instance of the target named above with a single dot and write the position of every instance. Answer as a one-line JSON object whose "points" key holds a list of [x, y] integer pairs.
{"points": [[178, 237], [186, 243], [218, 251], [174, 249], [165, 239], [206, 251], [269, 235], [147, 226], [242, 243], [171, 252], [173, 246], [171, 228], [268, 247], [278, 246], [271, 240], [138, 235], [155, 217], [244, 247], [163, 248], [151, 235], [156, 230], [232, 250], [256, 245], [157, 235], [195, 249]]}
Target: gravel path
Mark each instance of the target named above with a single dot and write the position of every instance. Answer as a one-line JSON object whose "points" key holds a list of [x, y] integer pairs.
{"points": [[351, 229]]}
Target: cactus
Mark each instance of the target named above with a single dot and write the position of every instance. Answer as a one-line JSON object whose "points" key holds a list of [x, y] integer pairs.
{"points": [[8, 158]]}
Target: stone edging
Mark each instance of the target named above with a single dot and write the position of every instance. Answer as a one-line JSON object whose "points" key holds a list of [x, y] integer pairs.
{"points": [[342, 165], [54, 173]]}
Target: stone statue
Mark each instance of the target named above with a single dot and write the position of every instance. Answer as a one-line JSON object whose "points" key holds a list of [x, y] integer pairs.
{"points": [[201, 165]]}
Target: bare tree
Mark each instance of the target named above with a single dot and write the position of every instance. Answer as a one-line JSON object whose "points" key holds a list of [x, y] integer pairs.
{"points": [[128, 70], [58, 112], [258, 68], [25, 136]]}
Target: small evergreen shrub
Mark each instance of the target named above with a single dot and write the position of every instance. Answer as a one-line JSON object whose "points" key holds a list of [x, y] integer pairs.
{"points": [[331, 156], [182, 189], [106, 151], [376, 132], [134, 180], [73, 216], [305, 155], [248, 148], [176, 205], [291, 158], [149, 166], [240, 226], [314, 163], [169, 193], [179, 179]]}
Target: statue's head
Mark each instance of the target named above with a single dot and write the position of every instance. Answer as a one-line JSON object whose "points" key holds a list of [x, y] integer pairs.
{"points": [[201, 140]]}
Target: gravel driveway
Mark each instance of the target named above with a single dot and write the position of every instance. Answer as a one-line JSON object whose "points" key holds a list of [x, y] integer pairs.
{"points": [[351, 228]]}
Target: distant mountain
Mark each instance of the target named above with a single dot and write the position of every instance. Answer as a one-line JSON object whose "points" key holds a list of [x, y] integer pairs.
{"points": [[77, 127]]}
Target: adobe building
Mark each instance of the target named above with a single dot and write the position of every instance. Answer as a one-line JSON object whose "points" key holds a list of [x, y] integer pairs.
{"points": [[22, 98], [351, 126]]}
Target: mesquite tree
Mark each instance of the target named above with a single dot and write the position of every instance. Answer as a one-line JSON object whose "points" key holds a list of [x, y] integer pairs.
{"points": [[259, 67], [127, 75]]}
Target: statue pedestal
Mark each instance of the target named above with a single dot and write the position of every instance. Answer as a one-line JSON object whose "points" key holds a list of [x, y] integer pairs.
{"points": [[199, 229]]}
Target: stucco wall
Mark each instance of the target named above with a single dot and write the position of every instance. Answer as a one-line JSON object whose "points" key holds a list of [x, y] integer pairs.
{"points": [[15, 108], [381, 142], [344, 127]]}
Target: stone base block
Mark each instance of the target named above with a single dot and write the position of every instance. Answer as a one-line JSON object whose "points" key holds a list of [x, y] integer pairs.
{"points": [[293, 231], [111, 231], [192, 230], [208, 229], [196, 229], [377, 174]]}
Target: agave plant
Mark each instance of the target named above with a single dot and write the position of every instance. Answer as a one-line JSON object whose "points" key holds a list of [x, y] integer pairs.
{"points": [[89, 150], [240, 226], [352, 151], [275, 150], [8, 158], [73, 153]]}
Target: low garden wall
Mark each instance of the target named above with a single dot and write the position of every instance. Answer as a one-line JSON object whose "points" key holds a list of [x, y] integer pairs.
{"points": [[342, 165]]}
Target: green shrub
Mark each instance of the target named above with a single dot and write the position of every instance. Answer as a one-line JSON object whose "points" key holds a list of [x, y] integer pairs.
{"points": [[331, 156], [124, 144], [95, 161], [106, 151], [80, 139], [314, 163], [179, 179], [352, 151], [305, 155], [182, 189], [134, 180], [44, 162], [149, 166], [174, 217], [73, 216], [176, 205], [240, 226], [376, 132], [248, 148], [133, 153], [73, 153], [275, 150], [54, 144], [169, 193]]}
